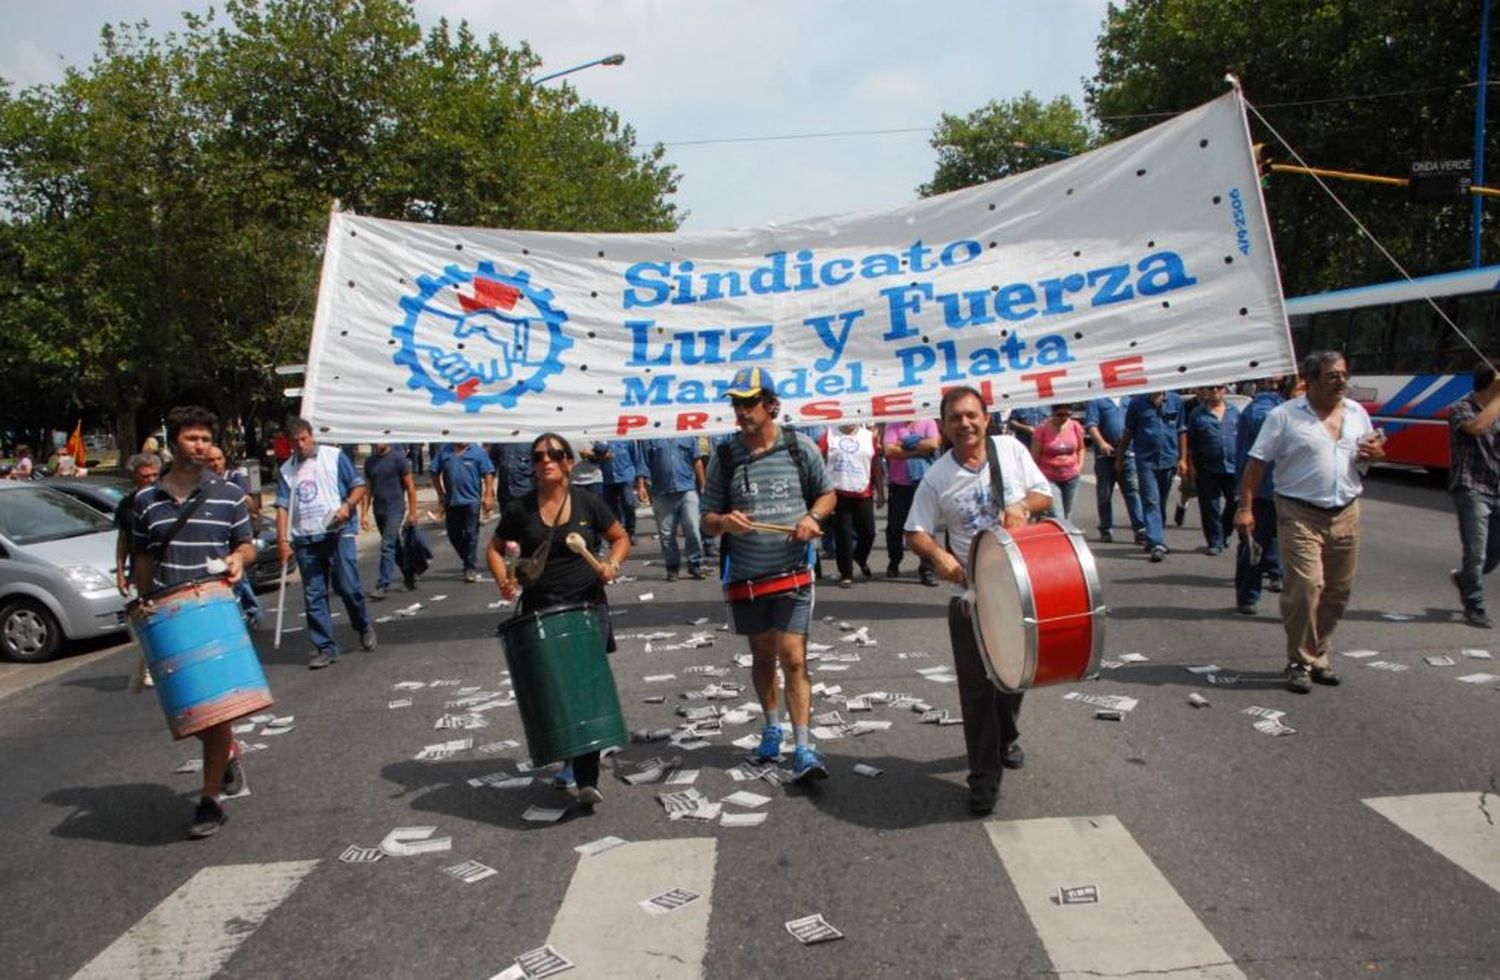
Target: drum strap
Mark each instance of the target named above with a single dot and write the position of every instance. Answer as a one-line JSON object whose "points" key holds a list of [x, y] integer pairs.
{"points": [[159, 548], [997, 481]]}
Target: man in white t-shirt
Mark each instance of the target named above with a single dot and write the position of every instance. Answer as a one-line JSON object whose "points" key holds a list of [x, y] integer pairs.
{"points": [[956, 494], [1319, 443]]}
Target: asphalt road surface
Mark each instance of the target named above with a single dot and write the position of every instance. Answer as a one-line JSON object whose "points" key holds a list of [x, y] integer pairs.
{"points": [[1364, 844]]}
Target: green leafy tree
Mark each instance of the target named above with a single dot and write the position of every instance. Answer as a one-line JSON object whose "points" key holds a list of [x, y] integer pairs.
{"points": [[162, 211], [1004, 138], [1364, 87]]}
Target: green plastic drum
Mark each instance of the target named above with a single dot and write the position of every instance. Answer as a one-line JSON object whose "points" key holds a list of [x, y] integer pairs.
{"points": [[563, 684]]}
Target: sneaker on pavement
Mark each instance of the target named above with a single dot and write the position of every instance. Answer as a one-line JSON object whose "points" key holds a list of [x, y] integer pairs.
{"points": [[1158, 553], [1014, 757], [769, 749], [471, 576], [865, 571], [378, 593], [1476, 616], [671, 576], [1140, 538], [695, 573], [1214, 550], [207, 819], [982, 800], [1297, 679], [846, 583], [319, 661], [1245, 609], [564, 778], [234, 773], [1273, 584], [590, 796], [929, 577], [893, 570], [1106, 536], [410, 581], [367, 639], [1325, 676], [808, 764]]}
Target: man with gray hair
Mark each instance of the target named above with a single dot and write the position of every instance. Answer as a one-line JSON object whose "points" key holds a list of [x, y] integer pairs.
{"points": [[145, 470], [1320, 443]]}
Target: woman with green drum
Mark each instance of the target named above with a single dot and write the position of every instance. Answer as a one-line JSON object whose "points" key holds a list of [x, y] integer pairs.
{"points": [[556, 642]]}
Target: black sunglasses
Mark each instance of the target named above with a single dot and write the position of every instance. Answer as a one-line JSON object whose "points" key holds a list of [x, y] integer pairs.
{"points": [[750, 402], [542, 455]]}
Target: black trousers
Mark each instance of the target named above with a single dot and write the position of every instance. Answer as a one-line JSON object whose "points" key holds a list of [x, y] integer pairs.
{"points": [[898, 505], [990, 715], [853, 533]]}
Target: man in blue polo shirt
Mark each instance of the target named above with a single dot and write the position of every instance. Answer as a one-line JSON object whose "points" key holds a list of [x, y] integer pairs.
{"points": [[668, 475], [393, 499], [168, 552], [321, 529], [617, 463], [1154, 430], [1248, 575], [1105, 423], [464, 479]]}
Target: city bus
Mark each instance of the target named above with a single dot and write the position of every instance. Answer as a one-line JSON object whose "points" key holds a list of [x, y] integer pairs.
{"points": [[1406, 365]]}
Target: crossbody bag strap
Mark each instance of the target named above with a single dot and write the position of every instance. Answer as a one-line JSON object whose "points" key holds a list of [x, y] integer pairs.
{"points": [[997, 481], [160, 548]]}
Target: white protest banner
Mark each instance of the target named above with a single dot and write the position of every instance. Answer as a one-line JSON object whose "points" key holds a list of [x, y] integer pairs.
{"points": [[1143, 265]]}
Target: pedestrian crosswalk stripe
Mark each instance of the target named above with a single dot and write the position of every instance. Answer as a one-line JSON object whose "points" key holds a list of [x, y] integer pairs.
{"points": [[1139, 925], [1462, 827], [195, 930], [606, 934]]}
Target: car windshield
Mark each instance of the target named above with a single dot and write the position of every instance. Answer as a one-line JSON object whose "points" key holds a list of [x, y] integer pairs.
{"points": [[32, 514]]}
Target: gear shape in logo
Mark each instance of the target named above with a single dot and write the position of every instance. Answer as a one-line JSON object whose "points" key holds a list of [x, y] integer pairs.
{"points": [[479, 353]]}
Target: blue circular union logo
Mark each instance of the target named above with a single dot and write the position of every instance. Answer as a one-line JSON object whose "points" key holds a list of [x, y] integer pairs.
{"points": [[480, 337]]}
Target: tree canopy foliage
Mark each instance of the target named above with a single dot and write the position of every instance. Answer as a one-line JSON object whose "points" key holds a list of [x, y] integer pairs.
{"points": [[162, 210], [1002, 138], [1355, 86]]}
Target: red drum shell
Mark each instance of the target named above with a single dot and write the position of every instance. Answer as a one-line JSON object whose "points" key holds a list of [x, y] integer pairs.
{"points": [[1038, 610]]}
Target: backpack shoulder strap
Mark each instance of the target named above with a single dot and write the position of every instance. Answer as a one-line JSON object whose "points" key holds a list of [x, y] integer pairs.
{"points": [[997, 480], [794, 450]]}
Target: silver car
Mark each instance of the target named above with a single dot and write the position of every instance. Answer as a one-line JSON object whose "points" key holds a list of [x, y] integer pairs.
{"points": [[57, 572]]}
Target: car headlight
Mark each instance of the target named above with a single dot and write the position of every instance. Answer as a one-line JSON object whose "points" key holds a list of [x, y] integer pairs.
{"points": [[87, 578]]}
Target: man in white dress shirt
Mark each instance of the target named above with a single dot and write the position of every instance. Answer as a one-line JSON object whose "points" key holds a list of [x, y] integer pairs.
{"points": [[1319, 443], [956, 494]]}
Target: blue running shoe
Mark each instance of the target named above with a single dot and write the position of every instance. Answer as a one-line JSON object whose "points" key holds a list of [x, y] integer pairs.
{"points": [[770, 744], [807, 764], [564, 778]]}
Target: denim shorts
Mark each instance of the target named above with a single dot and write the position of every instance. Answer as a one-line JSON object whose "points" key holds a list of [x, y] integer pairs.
{"points": [[789, 612]]}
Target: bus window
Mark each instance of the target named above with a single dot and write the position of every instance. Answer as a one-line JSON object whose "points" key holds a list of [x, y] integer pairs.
{"points": [[1418, 338], [1327, 331], [1476, 317], [1369, 350]]}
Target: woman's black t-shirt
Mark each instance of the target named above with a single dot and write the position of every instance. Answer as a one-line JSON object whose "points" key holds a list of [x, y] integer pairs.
{"points": [[566, 577]]}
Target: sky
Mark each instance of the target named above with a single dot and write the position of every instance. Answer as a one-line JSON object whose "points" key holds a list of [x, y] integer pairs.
{"points": [[734, 72]]}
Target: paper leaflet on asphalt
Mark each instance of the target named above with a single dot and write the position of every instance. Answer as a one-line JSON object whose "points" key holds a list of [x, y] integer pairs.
{"points": [[1142, 265]]}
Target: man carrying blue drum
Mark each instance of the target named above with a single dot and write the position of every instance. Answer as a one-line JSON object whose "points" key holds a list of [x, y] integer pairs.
{"points": [[768, 493], [171, 550], [959, 494]]}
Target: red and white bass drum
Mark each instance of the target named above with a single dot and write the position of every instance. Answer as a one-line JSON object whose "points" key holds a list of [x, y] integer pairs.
{"points": [[1038, 611]]}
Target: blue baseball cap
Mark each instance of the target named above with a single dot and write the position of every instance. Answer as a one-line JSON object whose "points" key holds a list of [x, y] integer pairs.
{"points": [[750, 382]]}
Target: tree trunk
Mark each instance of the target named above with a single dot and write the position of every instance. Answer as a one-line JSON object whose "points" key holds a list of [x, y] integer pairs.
{"points": [[126, 439]]}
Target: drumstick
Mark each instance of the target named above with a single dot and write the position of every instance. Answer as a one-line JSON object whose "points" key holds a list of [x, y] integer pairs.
{"points": [[774, 528], [576, 544]]}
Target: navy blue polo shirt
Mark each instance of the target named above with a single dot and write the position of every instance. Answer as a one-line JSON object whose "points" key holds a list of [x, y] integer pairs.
{"points": [[219, 524], [384, 478], [1154, 430], [1211, 439]]}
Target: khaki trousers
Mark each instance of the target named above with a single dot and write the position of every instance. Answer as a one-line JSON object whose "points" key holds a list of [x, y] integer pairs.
{"points": [[1319, 555]]}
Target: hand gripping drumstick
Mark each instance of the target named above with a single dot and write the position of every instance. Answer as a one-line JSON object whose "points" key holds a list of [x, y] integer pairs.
{"points": [[577, 546]]}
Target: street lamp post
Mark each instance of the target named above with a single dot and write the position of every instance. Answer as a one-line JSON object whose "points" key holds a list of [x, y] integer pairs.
{"points": [[611, 60]]}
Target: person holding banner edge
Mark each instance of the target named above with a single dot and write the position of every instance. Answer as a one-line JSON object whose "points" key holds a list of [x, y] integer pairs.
{"points": [[958, 493], [750, 498]]}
